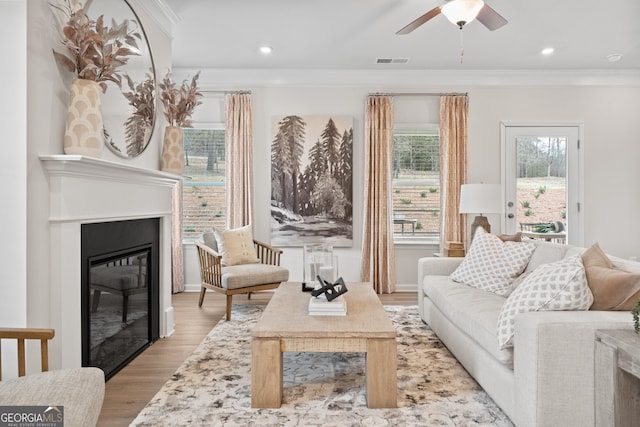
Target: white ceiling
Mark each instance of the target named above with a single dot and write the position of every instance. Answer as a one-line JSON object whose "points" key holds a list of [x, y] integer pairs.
{"points": [[352, 34]]}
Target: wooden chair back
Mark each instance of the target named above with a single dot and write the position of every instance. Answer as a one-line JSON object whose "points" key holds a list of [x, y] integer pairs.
{"points": [[21, 335]]}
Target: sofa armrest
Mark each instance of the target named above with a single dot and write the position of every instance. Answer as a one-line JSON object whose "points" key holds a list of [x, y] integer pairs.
{"points": [[554, 365], [434, 266], [442, 266]]}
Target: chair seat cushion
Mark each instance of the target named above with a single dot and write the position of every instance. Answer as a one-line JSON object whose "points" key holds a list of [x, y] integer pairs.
{"points": [[245, 275], [79, 390]]}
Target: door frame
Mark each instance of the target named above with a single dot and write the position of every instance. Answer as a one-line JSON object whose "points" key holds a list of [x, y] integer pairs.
{"points": [[575, 237]]}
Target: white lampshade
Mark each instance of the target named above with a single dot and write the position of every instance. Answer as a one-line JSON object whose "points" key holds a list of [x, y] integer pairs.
{"points": [[464, 11], [481, 198]]}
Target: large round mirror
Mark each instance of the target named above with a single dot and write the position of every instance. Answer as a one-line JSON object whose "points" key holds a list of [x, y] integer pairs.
{"points": [[129, 112]]}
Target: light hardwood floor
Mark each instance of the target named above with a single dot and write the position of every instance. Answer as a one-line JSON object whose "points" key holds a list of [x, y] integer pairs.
{"points": [[129, 390]]}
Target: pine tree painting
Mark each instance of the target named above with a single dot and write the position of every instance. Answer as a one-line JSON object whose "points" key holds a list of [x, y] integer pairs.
{"points": [[312, 180]]}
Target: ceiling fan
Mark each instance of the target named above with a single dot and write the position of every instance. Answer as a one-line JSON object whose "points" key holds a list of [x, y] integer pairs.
{"points": [[460, 13]]}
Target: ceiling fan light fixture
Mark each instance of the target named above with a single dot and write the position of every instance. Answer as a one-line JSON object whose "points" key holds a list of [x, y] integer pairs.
{"points": [[461, 12]]}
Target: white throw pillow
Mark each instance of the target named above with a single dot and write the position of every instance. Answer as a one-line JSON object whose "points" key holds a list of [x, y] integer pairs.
{"points": [[492, 264], [556, 286], [236, 246]]}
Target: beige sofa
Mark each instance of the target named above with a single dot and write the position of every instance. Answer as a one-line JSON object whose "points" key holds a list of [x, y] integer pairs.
{"points": [[547, 378]]}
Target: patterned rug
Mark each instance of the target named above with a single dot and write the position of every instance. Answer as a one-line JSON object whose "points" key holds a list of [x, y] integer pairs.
{"points": [[213, 386]]}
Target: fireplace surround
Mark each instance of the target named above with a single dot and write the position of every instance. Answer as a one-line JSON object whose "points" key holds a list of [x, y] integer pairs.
{"points": [[85, 190]]}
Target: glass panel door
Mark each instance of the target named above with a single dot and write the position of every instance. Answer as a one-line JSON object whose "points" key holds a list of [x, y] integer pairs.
{"points": [[541, 182]]}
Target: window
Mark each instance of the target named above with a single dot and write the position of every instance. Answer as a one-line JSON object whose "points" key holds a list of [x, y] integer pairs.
{"points": [[416, 184], [203, 195]]}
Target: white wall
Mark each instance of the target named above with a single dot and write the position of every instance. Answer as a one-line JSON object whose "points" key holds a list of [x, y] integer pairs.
{"points": [[611, 151], [13, 172], [46, 108]]}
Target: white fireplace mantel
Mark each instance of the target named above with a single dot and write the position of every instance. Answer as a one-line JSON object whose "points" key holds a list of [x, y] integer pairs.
{"points": [[88, 190]]}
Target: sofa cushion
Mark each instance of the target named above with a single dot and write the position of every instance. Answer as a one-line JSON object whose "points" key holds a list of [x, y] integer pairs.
{"points": [[492, 264], [612, 288], [560, 285], [545, 253], [236, 246], [472, 310]]}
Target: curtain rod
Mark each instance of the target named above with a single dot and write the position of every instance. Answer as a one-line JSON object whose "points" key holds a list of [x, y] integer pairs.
{"points": [[419, 94], [228, 92]]}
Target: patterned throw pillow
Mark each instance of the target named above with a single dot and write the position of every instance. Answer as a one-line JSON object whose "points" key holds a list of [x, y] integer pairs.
{"points": [[556, 286], [492, 264], [236, 246]]}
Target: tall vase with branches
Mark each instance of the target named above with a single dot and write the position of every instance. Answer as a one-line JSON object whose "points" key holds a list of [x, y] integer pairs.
{"points": [[94, 54], [179, 102]]}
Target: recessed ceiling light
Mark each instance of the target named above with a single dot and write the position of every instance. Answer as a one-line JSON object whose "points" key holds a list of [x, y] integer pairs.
{"points": [[266, 50], [614, 57], [547, 51]]}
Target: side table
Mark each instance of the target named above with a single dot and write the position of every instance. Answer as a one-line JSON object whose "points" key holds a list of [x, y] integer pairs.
{"points": [[617, 377]]}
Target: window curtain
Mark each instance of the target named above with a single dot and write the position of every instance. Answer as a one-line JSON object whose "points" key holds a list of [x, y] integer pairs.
{"points": [[454, 111], [378, 254], [177, 265], [239, 160]]}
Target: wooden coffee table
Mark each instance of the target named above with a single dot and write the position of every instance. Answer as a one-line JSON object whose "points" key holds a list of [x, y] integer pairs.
{"points": [[286, 325]]}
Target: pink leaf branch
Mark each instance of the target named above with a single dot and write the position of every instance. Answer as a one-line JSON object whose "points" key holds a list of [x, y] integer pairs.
{"points": [[94, 51], [179, 102]]}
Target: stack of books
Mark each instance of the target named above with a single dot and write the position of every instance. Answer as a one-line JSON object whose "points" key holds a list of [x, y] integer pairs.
{"points": [[454, 249], [319, 306]]}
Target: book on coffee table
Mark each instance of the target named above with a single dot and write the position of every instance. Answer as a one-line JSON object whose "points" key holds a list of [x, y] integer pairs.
{"points": [[319, 306]]}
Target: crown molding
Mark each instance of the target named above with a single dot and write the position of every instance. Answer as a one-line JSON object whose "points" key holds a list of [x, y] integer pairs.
{"points": [[242, 78], [160, 12]]}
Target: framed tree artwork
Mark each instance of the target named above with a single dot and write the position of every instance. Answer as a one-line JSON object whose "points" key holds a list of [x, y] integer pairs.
{"points": [[312, 180]]}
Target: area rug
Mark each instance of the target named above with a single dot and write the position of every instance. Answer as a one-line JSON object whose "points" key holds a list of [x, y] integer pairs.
{"points": [[213, 386]]}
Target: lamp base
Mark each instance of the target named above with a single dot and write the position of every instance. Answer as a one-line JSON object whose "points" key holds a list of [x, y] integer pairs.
{"points": [[480, 221]]}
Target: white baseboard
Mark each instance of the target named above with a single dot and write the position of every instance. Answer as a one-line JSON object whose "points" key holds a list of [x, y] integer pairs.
{"points": [[192, 287], [406, 287]]}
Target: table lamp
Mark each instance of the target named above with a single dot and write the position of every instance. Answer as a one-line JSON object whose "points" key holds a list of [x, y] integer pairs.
{"points": [[480, 199]]}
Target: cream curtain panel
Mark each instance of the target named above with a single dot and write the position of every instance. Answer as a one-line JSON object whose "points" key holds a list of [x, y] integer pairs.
{"points": [[378, 254], [177, 263], [239, 159], [454, 111]]}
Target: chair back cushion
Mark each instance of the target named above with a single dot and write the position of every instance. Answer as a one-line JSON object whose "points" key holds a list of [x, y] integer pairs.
{"points": [[209, 239], [236, 246]]}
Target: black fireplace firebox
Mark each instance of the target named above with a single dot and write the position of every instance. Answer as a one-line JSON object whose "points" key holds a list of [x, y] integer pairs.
{"points": [[120, 291]]}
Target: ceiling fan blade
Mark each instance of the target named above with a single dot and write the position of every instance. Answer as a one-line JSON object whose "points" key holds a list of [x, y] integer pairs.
{"points": [[490, 18], [419, 21]]}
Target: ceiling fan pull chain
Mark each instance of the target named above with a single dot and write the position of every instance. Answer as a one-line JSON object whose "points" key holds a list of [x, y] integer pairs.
{"points": [[461, 45]]}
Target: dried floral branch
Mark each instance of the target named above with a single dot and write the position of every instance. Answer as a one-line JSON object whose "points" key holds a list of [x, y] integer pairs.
{"points": [[95, 51], [143, 100], [179, 102]]}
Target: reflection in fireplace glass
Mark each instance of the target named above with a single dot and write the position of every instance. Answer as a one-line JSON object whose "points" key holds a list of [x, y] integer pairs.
{"points": [[119, 314]]}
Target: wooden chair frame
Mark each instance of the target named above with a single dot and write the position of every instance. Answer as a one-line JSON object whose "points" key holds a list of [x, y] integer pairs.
{"points": [[211, 272], [21, 335]]}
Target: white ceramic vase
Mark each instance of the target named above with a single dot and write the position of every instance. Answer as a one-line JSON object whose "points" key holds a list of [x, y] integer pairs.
{"points": [[84, 130], [172, 151]]}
